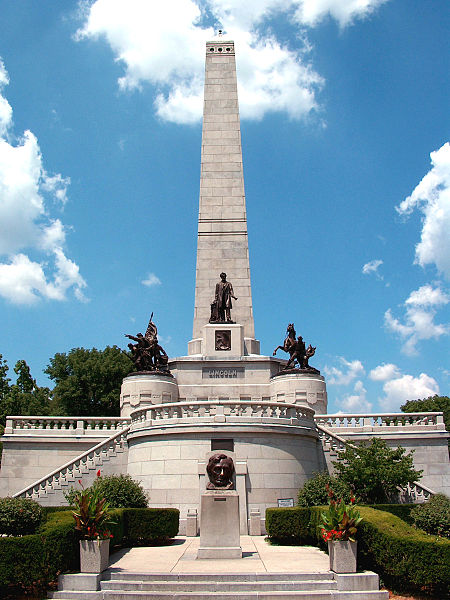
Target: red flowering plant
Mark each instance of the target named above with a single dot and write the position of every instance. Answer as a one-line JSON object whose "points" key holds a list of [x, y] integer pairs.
{"points": [[340, 521], [92, 514]]}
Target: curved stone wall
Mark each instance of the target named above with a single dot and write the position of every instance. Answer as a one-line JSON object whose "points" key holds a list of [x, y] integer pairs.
{"points": [[144, 389], [307, 389]]}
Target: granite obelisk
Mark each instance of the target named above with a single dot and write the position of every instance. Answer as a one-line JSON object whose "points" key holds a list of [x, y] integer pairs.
{"points": [[222, 224]]}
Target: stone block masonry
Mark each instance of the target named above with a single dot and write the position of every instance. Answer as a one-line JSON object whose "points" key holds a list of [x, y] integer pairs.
{"points": [[222, 228]]}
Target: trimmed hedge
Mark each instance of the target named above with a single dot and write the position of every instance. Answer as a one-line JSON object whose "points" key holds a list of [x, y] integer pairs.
{"points": [[403, 511], [404, 557], [150, 525], [33, 561]]}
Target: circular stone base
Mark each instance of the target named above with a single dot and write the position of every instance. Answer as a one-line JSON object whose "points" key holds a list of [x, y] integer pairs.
{"points": [[298, 371], [158, 373]]}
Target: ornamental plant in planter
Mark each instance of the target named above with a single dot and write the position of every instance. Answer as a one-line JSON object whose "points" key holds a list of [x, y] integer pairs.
{"points": [[92, 520], [339, 526]]}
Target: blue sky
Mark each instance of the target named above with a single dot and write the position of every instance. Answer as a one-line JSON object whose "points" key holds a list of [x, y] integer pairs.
{"points": [[345, 132]]}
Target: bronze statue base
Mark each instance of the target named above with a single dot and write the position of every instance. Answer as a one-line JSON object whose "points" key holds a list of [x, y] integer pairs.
{"points": [[155, 372], [222, 322], [297, 371]]}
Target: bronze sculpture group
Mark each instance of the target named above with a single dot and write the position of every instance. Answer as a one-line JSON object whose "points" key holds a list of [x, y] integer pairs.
{"points": [[146, 353], [298, 353], [149, 356]]}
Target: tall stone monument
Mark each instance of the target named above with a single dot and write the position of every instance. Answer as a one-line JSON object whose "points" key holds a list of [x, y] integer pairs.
{"points": [[223, 398], [224, 395]]}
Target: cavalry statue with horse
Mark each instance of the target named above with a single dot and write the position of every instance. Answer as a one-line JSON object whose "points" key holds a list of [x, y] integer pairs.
{"points": [[298, 353]]}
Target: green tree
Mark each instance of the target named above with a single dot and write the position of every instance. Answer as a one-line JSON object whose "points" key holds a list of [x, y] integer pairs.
{"points": [[4, 380], [375, 471], [24, 397], [87, 382], [430, 404]]}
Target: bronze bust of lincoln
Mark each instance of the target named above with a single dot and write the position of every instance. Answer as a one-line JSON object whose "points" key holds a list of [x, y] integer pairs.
{"points": [[220, 471]]}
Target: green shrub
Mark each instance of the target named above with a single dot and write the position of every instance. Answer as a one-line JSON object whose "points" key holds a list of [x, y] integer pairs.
{"points": [[403, 511], [150, 525], [433, 516], [19, 516], [121, 491], [34, 560], [288, 525], [405, 558], [314, 492]]}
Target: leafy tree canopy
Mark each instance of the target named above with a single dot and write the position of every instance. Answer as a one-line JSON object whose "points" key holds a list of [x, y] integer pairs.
{"points": [[430, 404], [375, 471], [24, 397], [88, 381]]}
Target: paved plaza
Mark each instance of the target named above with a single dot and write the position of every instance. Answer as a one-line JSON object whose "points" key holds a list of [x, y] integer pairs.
{"points": [[258, 557]]}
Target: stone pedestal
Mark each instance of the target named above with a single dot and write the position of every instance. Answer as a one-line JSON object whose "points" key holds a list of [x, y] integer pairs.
{"points": [[219, 525]]}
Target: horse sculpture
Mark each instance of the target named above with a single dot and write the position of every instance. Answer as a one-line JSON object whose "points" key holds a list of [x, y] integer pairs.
{"points": [[297, 351], [289, 341]]}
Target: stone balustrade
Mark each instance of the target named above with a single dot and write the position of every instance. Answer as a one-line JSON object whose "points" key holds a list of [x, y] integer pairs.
{"points": [[64, 425], [74, 469], [222, 411], [364, 421]]}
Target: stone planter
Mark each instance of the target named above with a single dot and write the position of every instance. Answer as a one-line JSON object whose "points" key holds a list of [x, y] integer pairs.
{"points": [[342, 556], [94, 555]]}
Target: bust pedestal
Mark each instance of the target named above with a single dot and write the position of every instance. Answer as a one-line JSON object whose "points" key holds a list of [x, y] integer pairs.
{"points": [[219, 525]]}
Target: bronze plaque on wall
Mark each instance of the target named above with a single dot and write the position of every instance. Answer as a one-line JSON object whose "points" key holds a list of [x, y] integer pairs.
{"points": [[223, 339]]}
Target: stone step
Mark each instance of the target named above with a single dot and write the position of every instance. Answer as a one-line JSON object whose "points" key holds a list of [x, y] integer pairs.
{"points": [[217, 577], [255, 595], [223, 586]]}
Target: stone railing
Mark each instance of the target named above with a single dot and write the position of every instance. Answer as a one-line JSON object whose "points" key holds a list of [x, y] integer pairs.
{"points": [[429, 419], [65, 425], [414, 493], [222, 411], [74, 469], [331, 442]]}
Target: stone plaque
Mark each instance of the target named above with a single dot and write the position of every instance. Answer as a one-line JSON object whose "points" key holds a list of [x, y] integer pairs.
{"points": [[223, 373], [223, 339]]}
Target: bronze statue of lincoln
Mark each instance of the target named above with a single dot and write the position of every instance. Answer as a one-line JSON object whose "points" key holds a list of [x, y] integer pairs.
{"points": [[224, 293]]}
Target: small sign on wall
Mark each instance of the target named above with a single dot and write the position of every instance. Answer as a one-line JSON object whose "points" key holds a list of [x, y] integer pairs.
{"points": [[285, 502]]}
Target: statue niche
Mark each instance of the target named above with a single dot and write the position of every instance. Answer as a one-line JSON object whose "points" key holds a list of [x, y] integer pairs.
{"points": [[220, 469], [298, 353], [146, 353]]}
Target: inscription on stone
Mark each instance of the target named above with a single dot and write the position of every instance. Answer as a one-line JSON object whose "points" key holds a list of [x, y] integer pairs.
{"points": [[223, 373]]}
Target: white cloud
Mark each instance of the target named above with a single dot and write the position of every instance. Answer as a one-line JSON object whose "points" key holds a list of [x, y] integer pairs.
{"points": [[432, 197], [384, 372], [372, 267], [419, 318], [399, 390], [427, 296], [26, 222], [357, 402], [151, 280], [312, 12], [5, 107], [352, 370], [163, 44]]}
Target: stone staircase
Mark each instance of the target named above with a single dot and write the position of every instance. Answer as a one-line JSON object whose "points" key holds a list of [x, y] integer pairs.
{"points": [[221, 586], [109, 456]]}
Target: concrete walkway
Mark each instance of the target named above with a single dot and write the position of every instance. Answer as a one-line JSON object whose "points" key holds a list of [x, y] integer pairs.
{"points": [[258, 557]]}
